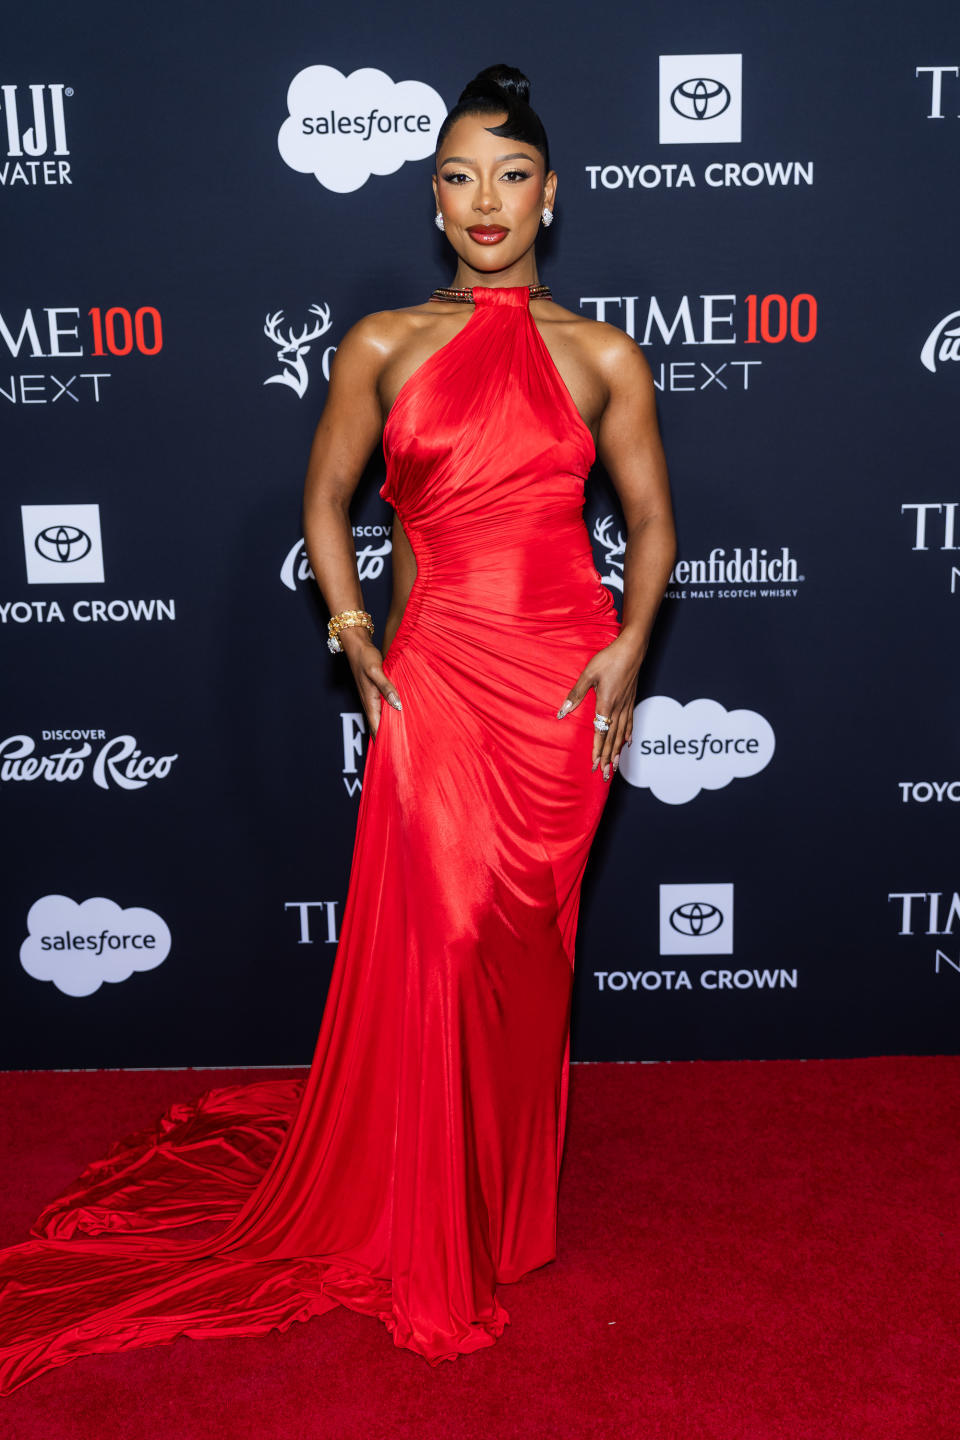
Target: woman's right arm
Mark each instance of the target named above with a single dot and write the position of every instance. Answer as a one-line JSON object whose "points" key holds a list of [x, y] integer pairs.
{"points": [[348, 429]]}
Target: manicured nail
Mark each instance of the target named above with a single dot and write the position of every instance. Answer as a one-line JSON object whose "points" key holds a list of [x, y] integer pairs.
{"points": [[565, 709], [616, 762], [394, 701], [606, 772], [595, 763]]}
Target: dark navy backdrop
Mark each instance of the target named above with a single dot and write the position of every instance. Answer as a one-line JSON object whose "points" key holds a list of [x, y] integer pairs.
{"points": [[771, 209]]}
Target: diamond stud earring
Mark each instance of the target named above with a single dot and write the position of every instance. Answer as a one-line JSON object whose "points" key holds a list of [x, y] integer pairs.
{"points": [[547, 215], [438, 220]]}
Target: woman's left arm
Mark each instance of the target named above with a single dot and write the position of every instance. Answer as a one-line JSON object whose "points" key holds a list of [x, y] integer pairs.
{"points": [[629, 447]]}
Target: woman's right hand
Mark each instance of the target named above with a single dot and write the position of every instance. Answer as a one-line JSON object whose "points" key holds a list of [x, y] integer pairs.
{"points": [[366, 662]]}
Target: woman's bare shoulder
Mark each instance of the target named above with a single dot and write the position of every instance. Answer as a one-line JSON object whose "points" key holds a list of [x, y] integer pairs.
{"points": [[381, 333], [613, 361], [603, 344]]}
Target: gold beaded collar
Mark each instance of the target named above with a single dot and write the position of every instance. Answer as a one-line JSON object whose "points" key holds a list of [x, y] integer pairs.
{"points": [[465, 297]]}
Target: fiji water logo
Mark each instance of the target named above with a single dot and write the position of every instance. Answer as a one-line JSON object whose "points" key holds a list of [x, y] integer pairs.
{"points": [[33, 121]]}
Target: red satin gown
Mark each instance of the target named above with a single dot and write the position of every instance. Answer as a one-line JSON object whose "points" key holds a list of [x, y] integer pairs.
{"points": [[416, 1165]]}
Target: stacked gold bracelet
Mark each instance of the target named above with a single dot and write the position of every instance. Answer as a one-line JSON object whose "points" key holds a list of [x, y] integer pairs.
{"points": [[340, 622]]}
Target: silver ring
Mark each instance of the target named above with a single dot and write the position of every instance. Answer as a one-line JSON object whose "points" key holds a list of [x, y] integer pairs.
{"points": [[601, 723]]}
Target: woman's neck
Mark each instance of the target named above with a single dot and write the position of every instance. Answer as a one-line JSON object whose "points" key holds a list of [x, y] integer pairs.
{"points": [[523, 272]]}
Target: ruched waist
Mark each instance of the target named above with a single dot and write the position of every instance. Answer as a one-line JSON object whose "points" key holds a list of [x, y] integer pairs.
{"points": [[501, 592], [545, 573]]}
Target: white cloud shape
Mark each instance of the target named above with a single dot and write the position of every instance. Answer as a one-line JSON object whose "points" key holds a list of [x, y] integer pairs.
{"points": [[679, 750], [345, 128], [79, 946]]}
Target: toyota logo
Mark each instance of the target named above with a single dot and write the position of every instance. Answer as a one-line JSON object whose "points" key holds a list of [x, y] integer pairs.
{"points": [[63, 543], [696, 917], [700, 98]]}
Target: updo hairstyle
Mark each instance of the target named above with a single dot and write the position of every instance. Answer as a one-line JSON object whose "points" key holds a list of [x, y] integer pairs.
{"points": [[495, 89]]}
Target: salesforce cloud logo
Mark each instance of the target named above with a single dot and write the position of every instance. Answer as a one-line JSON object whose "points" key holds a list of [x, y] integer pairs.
{"points": [[344, 128], [78, 947], [679, 750]]}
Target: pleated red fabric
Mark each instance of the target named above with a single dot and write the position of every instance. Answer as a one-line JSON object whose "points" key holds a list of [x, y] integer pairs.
{"points": [[417, 1163]]}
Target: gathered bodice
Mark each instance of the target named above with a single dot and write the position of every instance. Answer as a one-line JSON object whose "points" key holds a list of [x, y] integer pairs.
{"points": [[487, 456]]}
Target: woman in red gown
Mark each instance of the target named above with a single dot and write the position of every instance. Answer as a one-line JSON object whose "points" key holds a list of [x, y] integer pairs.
{"points": [[416, 1166]]}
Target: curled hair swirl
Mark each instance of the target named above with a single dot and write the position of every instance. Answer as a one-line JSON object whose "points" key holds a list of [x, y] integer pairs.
{"points": [[494, 90]]}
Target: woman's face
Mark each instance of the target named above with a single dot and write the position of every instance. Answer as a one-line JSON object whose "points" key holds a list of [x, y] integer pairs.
{"points": [[490, 191]]}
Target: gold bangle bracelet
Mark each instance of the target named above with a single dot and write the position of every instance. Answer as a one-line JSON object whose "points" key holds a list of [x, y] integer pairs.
{"points": [[341, 621]]}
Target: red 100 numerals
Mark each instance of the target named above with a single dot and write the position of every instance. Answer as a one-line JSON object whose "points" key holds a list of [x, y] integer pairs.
{"points": [[780, 317], [117, 332]]}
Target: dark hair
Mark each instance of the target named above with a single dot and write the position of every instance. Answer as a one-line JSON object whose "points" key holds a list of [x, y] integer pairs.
{"points": [[495, 89]]}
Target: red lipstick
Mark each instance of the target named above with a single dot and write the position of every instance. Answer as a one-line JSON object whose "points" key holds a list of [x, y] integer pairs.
{"points": [[487, 234]]}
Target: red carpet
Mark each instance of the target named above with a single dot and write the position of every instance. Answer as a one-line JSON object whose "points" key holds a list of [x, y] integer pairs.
{"points": [[756, 1249]]}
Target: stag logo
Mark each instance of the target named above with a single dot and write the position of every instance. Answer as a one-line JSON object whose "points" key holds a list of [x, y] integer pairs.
{"points": [[616, 550], [291, 349]]}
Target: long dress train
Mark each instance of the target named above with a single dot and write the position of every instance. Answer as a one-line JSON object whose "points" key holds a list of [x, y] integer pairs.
{"points": [[417, 1163]]}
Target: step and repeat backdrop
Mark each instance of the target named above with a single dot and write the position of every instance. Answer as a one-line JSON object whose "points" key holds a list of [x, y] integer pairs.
{"points": [[195, 209]]}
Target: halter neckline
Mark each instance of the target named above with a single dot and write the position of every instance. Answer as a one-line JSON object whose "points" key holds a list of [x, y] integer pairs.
{"points": [[517, 295]]}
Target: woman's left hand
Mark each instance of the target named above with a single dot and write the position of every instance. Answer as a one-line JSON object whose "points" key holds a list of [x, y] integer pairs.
{"points": [[612, 672]]}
